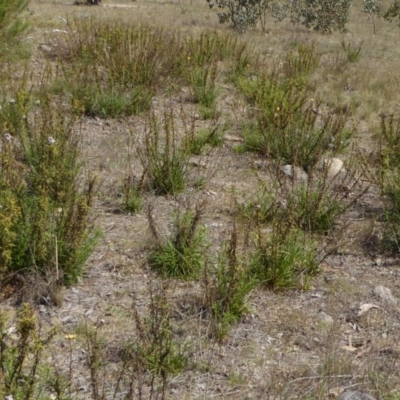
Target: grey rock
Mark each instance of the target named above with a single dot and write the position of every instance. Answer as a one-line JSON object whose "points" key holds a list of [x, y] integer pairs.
{"points": [[384, 294], [45, 48], [355, 395], [333, 167], [325, 318], [294, 172]]}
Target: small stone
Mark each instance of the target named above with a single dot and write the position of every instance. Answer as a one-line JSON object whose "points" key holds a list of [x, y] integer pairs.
{"points": [[325, 318], [378, 262], [333, 166], [384, 294], [45, 48], [355, 395], [294, 172]]}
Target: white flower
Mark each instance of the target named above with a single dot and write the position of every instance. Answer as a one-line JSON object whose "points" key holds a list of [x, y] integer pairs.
{"points": [[51, 140], [7, 137]]}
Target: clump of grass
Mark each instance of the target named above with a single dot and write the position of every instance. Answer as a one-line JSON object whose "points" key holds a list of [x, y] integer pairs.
{"points": [[260, 207], [388, 176], [196, 143], [132, 200], [314, 209], [352, 51], [312, 203], [300, 62], [226, 288], [286, 128], [211, 47], [112, 69], [285, 121], [164, 160], [203, 89], [283, 258], [181, 254], [112, 101]]}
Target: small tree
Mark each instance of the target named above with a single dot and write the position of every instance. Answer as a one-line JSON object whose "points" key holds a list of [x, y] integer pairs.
{"points": [[325, 15], [241, 13], [393, 12], [374, 9]]}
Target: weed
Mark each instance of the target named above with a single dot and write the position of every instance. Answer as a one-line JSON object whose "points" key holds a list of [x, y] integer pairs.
{"points": [[21, 355], [388, 175], [285, 122], [352, 52], [154, 352], [296, 136], [132, 200], [260, 206], [196, 143], [226, 288], [164, 160], [313, 209], [203, 89], [182, 253], [283, 258]]}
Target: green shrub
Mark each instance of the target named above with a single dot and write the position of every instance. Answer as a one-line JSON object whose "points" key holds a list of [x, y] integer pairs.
{"points": [[46, 202], [393, 12], [374, 9], [325, 15], [283, 259], [242, 14]]}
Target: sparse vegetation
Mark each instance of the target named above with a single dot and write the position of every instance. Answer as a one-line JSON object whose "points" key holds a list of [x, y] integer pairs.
{"points": [[273, 209]]}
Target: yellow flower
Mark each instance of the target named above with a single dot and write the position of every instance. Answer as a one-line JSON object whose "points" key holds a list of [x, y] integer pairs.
{"points": [[70, 337], [188, 58]]}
